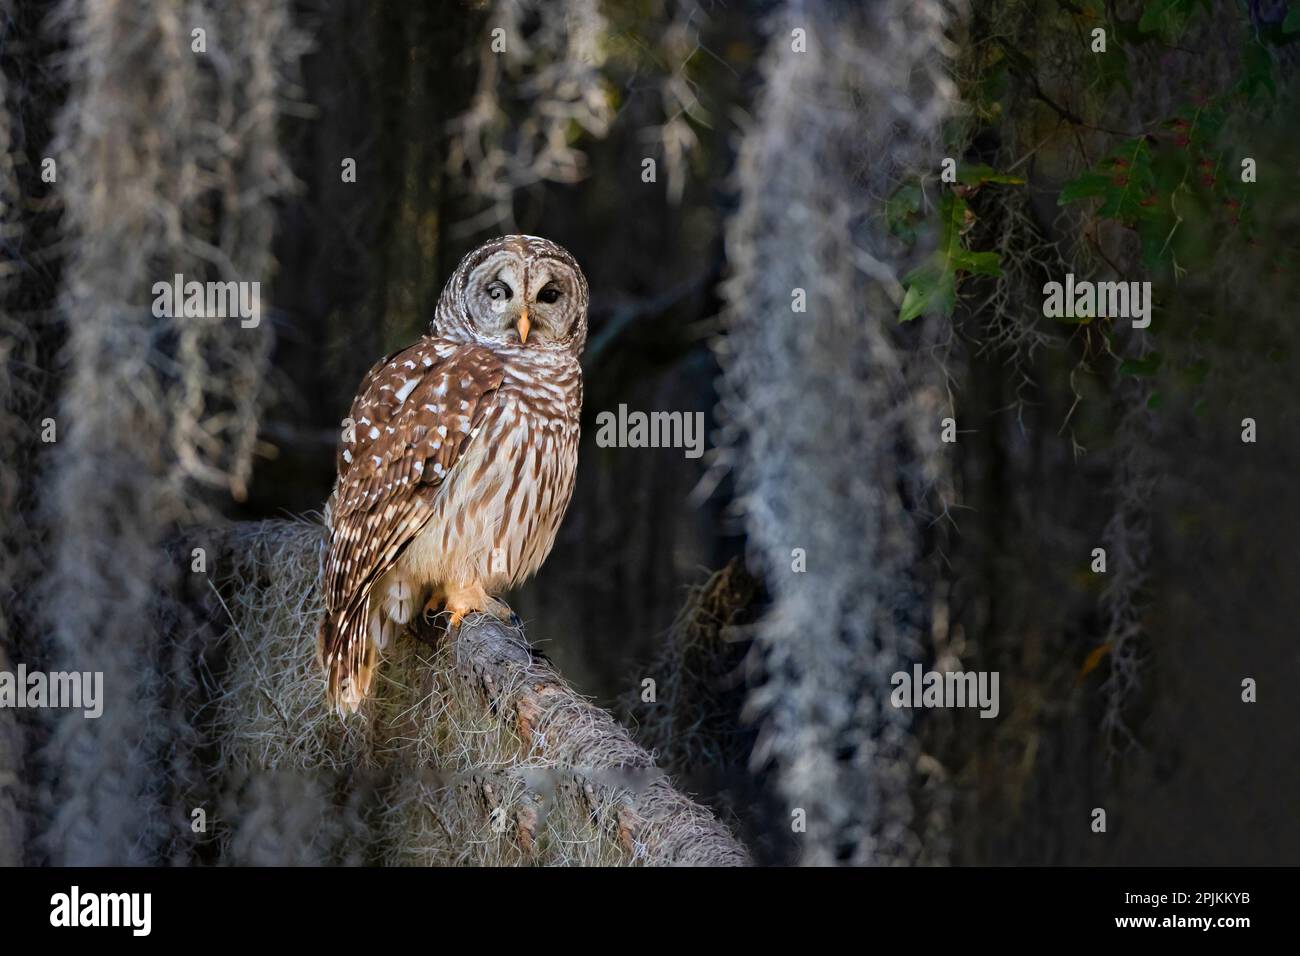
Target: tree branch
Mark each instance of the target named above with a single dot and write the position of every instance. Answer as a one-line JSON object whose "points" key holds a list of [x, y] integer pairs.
{"points": [[483, 753]]}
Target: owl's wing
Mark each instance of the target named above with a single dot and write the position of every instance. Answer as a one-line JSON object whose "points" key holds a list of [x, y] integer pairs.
{"points": [[416, 413]]}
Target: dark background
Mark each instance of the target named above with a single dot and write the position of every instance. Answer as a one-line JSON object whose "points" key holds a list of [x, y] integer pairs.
{"points": [[1120, 691]]}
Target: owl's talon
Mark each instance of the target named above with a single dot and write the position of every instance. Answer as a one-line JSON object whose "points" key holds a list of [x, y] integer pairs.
{"points": [[434, 607], [430, 625]]}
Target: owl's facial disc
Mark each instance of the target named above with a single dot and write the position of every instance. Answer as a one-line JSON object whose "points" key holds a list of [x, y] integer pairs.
{"points": [[525, 302], [548, 312]]}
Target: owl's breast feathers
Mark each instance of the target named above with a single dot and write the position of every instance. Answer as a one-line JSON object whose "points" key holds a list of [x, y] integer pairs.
{"points": [[534, 448], [433, 430]]}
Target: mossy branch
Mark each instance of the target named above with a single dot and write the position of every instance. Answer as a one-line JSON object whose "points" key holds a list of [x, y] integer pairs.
{"points": [[473, 751]]}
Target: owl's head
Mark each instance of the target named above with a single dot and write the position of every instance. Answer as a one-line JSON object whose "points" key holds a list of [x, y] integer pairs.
{"points": [[520, 291]]}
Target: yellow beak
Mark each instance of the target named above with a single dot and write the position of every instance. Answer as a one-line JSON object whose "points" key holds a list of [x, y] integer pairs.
{"points": [[523, 325]]}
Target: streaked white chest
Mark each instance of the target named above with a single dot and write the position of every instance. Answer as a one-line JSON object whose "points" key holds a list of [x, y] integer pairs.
{"points": [[497, 514]]}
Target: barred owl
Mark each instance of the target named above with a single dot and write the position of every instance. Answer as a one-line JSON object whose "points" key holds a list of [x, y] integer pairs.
{"points": [[458, 458]]}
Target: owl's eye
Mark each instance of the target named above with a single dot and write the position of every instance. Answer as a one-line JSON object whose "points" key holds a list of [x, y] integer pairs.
{"points": [[499, 292], [548, 295]]}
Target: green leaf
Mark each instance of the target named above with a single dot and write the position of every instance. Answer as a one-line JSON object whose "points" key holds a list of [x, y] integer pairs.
{"points": [[930, 291], [1257, 67], [979, 175], [1168, 18], [1292, 22], [1112, 68], [1144, 367], [979, 263], [1086, 186], [1122, 181], [902, 210], [932, 286]]}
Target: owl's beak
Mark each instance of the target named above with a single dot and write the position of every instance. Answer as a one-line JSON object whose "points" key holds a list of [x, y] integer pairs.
{"points": [[523, 325]]}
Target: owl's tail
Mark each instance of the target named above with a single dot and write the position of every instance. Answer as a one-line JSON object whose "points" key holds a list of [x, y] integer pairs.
{"points": [[345, 651]]}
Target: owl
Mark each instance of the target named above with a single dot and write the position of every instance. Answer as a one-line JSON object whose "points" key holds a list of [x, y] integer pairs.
{"points": [[458, 457]]}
